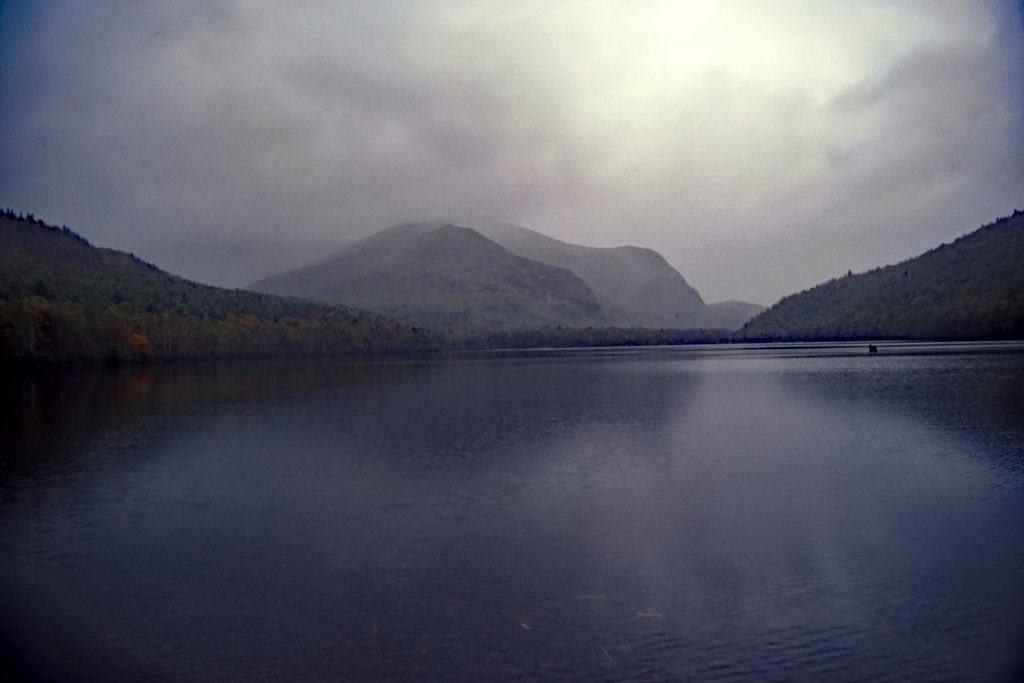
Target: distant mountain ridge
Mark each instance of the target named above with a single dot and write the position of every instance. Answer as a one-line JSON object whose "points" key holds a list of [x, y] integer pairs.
{"points": [[636, 287], [737, 312], [972, 288], [500, 277]]}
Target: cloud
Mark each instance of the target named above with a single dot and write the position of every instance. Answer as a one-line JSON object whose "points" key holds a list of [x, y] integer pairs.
{"points": [[761, 148]]}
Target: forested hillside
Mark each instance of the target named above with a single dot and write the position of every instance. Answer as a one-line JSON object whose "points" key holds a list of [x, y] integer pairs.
{"points": [[62, 298], [972, 288]]}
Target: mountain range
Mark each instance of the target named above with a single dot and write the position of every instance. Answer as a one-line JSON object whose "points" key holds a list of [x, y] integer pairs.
{"points": [[454, 277], [62, 299]]}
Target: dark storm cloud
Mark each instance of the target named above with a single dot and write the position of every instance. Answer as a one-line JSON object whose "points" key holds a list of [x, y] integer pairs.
{"points": [[760, 147]]}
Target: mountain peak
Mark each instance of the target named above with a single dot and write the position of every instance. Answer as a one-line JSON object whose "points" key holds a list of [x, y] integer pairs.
{"points": [[439, 273], [444, 276]]}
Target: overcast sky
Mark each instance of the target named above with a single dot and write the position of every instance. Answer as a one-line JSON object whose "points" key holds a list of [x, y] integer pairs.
{"points": [[761, 147]]}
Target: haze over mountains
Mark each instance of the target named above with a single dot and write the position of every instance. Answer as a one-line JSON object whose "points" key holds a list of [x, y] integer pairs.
{"points": [[236, 261], [453, 277], [62, 299]]}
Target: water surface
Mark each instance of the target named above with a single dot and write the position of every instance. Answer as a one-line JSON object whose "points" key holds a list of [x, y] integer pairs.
{"points": [[772, 512]]}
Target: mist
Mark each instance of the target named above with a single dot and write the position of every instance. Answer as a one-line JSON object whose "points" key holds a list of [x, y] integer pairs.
{"points": [[760, 148]]}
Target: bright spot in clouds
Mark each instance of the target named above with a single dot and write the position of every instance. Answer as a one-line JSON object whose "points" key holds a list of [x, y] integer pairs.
{"points": [[760, 146]]}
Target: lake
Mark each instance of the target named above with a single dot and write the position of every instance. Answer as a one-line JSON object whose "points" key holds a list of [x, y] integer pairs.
{"points": [[768, 512]]}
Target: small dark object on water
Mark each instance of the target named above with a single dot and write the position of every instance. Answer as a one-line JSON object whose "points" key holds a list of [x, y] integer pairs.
{"points": [[872, 348]]}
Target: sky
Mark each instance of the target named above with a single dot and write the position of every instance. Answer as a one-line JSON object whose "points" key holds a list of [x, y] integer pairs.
{"points": [[761, 147]]}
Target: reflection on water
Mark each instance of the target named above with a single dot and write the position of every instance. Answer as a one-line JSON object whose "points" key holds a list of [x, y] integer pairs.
{"points": [[712, 513]]}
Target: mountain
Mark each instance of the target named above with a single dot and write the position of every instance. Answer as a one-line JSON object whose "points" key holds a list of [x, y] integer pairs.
{"points": [[445, 277], [63, 299], [636, 287], [972, 288]]}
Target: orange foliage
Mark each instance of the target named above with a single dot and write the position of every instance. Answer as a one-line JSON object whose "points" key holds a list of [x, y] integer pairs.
{"points": [[142, 345]]}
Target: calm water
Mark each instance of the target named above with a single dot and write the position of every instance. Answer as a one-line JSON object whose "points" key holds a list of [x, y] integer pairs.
{"points": [[706, 513]]}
